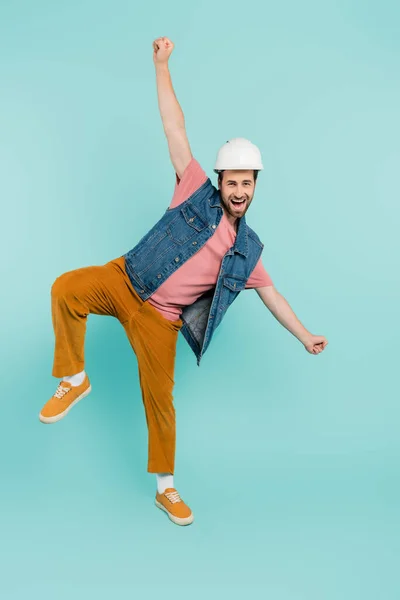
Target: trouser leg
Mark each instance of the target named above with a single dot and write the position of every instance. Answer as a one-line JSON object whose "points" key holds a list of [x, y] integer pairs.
{"points": [[154, 339], [98, 290], [106, 290]]}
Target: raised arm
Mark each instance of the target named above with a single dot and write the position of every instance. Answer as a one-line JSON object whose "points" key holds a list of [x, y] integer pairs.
{"points": [[171, 113]]}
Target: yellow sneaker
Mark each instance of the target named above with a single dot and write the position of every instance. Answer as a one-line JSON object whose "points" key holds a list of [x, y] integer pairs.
{"points": [[65, 397], [174, 506]]}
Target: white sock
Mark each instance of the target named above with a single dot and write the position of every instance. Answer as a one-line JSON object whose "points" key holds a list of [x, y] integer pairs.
{"points": [[75, 380], [164, 481]]}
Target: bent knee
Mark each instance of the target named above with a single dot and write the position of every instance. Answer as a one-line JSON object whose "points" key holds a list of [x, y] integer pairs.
{"points": [[62, 285]]}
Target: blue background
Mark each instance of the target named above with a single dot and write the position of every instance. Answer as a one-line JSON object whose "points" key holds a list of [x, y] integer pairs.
{"points": [[288, 460]]}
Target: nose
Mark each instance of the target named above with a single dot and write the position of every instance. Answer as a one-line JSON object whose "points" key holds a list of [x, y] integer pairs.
{"points": [[239, 193]]}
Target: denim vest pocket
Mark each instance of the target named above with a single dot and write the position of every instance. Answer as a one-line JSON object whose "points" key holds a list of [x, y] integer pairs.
{"points": [[188, 224], [232, 285]]}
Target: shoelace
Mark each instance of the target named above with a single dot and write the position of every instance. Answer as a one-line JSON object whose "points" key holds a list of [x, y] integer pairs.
{"points": [[61, 391], [173, 497]]}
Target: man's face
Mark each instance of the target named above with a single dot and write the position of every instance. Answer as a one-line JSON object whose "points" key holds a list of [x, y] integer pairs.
{"points": [[237, 191]]}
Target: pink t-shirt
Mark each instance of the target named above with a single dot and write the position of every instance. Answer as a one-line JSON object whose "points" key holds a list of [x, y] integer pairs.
{"points": [[200, 272]]}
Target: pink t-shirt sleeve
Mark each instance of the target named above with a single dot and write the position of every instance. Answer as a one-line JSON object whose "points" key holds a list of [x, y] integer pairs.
{"points": [[259, 277], [193, 177]]}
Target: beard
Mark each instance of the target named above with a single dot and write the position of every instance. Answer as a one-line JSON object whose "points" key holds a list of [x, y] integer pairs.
{"points": [[238, 210]]}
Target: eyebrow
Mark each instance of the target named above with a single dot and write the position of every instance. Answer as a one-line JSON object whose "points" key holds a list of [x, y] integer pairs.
{"points": [[234, 181]]}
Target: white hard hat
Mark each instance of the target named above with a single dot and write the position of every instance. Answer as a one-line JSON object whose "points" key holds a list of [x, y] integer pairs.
{"points": [[238, 153]]}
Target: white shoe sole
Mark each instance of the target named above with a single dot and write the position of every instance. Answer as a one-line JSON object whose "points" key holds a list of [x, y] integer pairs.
{"points": [[176, 520], [62, 415]]}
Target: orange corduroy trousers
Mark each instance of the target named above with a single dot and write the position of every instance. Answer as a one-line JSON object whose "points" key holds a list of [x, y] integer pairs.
{"points": [[107, 290]]}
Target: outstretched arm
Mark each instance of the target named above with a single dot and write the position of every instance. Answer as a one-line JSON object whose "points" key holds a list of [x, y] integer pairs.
{"points": [[280, 308], [171, 113]]}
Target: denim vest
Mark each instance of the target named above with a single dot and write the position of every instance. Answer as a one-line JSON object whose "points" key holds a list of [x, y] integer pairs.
{"points": [[177, 236]]}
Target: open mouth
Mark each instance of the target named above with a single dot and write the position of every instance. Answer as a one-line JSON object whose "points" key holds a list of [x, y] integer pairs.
{"points": [[238, 203]]}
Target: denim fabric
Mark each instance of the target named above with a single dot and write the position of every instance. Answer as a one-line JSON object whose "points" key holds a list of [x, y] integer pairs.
{"points": [[179, 234]]}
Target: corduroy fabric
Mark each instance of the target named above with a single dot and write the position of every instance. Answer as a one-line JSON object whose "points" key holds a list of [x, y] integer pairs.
{"points": [[107, 290]]}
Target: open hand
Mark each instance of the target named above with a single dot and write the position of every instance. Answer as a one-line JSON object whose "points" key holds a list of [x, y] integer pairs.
{"points": [[315, 344], [162, 47]]}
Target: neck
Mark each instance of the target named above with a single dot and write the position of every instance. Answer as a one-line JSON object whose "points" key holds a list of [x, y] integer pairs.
{"points": [[234, 221]]}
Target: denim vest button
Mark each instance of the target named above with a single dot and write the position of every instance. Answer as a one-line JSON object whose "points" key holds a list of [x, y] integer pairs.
{"points": [[213, 226], [159, 276], [177, 259], [142, 291], [194, 243]]}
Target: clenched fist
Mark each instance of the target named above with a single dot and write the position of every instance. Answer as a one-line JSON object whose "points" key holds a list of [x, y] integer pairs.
{"points": [[162, 50], [314, 344]]}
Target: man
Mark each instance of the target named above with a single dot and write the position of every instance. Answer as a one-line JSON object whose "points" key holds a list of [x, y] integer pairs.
{"points": [[181, 276]]}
